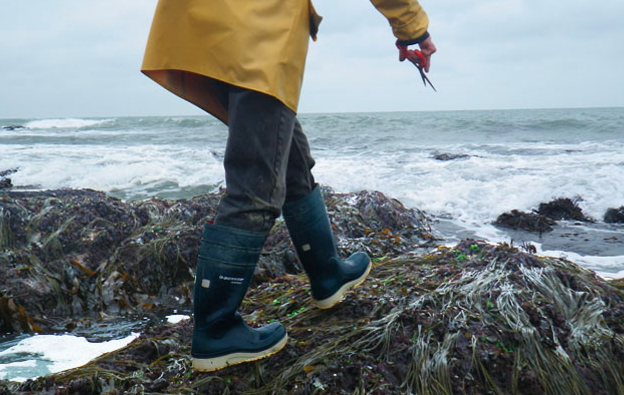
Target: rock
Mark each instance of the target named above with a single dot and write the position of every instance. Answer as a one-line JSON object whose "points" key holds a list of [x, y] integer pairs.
{"points": [[447, 157], [5, 183], [541, 220], [477, 317], [562, 208], [12, 127], [529, 222], [7, 172], [71, 256], [614, 215]]}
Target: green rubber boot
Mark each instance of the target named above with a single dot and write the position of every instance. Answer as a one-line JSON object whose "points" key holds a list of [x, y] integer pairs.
{"points": [[227, 259], [330, 276]]}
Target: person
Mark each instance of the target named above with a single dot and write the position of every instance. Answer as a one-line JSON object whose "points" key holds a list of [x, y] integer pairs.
{"points": [[243, 62]]}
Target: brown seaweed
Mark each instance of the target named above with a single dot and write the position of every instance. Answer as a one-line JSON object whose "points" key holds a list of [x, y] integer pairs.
{"points": [[614, 215], [473, 319], [563, 208], [529, 222], [68, 257]]}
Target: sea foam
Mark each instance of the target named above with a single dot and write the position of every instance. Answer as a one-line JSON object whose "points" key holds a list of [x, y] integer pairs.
{"points": [[65, 123], [44, 354]]}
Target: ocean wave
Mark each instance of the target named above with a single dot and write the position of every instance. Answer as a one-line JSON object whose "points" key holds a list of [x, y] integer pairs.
{"points": [[189, 122], [65, 123]]}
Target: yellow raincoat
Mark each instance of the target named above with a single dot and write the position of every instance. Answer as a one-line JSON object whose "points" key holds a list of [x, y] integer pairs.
{"points": [[255, 44]]}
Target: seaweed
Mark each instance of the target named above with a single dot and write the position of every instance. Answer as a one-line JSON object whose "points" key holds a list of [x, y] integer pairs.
{"points": [[614, 215], [529, 222], [563, 208], [69, 257], [543, 219], [473, 319]]}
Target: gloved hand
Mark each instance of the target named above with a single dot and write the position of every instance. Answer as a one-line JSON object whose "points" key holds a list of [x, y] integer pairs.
{"points": [[427, 48]]}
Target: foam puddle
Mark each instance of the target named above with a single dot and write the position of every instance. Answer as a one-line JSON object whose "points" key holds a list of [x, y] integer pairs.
{"points": [[40, 355], [175, 318]]}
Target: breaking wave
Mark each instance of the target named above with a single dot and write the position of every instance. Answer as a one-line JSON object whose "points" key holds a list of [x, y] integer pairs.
{"points": [[65, 123]]}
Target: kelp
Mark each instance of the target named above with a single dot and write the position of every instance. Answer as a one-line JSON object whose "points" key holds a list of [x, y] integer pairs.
{"points": [[543, 218], [563, 208], [69, 257], [472, 319]]}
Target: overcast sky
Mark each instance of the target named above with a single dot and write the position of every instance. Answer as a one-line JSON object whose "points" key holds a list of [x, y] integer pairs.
{"points": [[81, 58]]}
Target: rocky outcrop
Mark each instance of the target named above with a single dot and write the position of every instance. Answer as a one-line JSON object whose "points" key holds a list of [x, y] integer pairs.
{"points": [[614, 215], [563, 208], [13, 127], [543, 219], [472, 319], [519, 220], [5, 182], [445, 157], [69, 257]]}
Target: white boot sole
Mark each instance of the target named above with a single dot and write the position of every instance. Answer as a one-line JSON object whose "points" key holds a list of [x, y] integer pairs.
{"points": [[333, 300], [212, 364]]}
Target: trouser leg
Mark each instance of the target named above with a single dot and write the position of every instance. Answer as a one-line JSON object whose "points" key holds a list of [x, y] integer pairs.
{"points": [[267, 160], [299, 179], [256, 160]]}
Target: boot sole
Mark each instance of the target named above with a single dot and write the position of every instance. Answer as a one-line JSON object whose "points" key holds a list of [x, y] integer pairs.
{"points": [[212, 364], [333, 300]]}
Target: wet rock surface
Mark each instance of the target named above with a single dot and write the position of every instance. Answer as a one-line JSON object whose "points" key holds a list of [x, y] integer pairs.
{"points": [[445, 157], [560, 225], [614, 215], [543, 219], [530, 222], [72, 258], [563, 208], [12, 127], [5, 182], [472, 319]]}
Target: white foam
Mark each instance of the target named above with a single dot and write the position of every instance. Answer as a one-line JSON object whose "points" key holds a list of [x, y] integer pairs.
{"points": [[387, 152], [493, 180], [611, 276], [65, 123], [605, 266], [57, 352], [135, 169], [175, 318]]}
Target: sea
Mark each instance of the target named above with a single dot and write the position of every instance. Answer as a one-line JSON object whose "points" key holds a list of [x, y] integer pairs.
{"points": [[462, 168]]}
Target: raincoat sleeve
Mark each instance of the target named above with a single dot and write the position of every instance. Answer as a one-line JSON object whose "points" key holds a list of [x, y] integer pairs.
{"points": [[408, 19]]}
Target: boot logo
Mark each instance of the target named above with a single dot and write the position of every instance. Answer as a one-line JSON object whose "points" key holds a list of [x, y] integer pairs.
{"points": [[205, 283], [306, 247], [233, 280]]}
